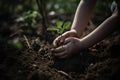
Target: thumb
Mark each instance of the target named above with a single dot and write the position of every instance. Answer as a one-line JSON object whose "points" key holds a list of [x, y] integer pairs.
{"points": [[55, 42], [64, 36]]}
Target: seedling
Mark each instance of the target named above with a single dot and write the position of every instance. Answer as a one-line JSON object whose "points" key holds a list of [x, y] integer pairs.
{"points": [[60, 28]]}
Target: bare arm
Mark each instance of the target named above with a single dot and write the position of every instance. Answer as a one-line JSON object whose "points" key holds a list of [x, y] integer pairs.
{"points": [[81, 18], [102, 31], [82, 15]]}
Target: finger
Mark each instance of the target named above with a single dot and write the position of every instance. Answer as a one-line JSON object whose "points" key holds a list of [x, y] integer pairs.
{"points": [[62, 38], [59, 49], [60, 54], [65, 35], [67, 40], [56, 41], [64, 53], [71, 33]]}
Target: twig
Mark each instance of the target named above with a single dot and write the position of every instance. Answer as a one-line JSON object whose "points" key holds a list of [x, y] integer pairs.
{"points": [[28, 44], [65, 74], [17, 32]]}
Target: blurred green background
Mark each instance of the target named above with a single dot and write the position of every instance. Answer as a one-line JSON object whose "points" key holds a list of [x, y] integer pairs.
{"points": [[32, 17], [59, 6]]}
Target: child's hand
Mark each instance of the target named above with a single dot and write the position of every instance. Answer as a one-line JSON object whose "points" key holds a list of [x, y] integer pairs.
{"points": [[60, 39], [71, 46]]}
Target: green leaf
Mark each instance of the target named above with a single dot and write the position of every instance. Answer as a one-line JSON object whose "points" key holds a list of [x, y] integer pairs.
{"points": [[61, 31], [59, 24], [53, 29], [20, 19], [66, 25], [59, 27]]}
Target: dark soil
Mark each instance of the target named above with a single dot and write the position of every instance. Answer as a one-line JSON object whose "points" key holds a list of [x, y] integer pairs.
{"points": [[36, 62]]}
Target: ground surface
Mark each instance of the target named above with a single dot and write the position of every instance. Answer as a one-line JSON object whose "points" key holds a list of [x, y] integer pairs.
{"points": [[36, 62]]}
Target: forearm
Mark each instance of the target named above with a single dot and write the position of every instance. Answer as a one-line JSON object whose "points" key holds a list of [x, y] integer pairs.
{"points": [[102, 31], [82, 15]]}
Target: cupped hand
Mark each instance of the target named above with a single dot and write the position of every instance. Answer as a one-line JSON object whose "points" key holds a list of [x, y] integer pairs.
{"points": [[70, 47], [61, 38]]}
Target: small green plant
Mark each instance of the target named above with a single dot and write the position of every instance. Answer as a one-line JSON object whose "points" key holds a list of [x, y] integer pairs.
{"points": [[60, 27], [28, 18]]}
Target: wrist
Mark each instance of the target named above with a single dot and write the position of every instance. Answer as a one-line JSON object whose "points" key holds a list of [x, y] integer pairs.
{"points": [[84, 43], [75, 33], [78, 32]]}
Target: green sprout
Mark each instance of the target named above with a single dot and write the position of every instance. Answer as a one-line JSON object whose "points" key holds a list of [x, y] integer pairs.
{"points": [[60, 27]]}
